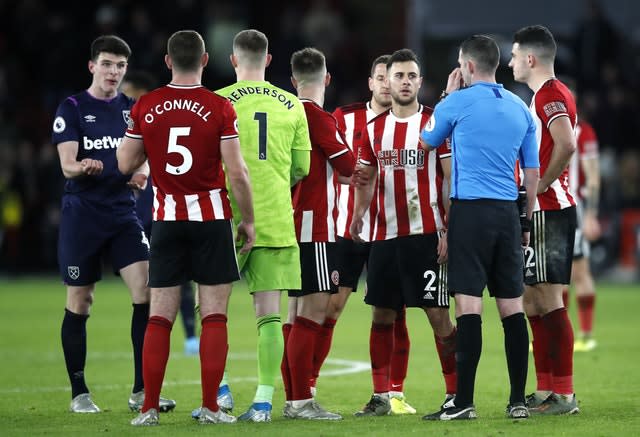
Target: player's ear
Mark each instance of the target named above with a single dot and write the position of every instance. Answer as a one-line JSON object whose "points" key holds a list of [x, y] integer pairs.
{"points": [[370, 84], [204, 60], [327, 79], [531, 60], [234, 60], [471, 66], [294, 83], [91, 66], [268, 61], [167, 60]]}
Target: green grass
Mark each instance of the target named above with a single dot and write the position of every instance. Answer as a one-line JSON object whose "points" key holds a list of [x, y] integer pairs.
{"points": [[34, 394]]}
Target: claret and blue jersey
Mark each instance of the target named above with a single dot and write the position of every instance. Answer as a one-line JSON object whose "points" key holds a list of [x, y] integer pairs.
{"points": [[98, 126]]}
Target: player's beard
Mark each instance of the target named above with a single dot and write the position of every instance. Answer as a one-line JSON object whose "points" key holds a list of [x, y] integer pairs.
{"points": [[403, 101], [384, 101]]}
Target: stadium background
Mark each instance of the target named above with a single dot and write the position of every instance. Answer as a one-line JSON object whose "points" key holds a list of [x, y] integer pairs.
{"points": [[44, 49]]}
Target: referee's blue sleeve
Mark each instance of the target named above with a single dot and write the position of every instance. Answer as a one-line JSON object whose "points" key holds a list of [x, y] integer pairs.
{"points": [[437, 128], [529, 157]]}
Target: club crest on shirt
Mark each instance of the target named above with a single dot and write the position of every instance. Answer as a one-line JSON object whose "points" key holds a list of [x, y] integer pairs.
{"points": [[554, 108], [74, 272], [126, 115]]}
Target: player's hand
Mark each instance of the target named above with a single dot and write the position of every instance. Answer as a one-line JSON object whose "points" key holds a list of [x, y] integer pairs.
{"points": [[591, 227], [356, 229], [247, 235], [91, 167], [359, 178], [526, 237], [138, 181], [454, 81], [443, 249]]}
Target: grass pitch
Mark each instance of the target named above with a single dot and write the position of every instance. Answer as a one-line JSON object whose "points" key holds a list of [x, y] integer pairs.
{"points": [[34, 393]]}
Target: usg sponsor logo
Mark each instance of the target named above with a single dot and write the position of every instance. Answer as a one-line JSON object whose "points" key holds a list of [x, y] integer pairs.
{"points": [[101, 143]]}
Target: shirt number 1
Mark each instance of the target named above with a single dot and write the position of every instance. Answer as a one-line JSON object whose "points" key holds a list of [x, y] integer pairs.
{"points": [[261, 118]]}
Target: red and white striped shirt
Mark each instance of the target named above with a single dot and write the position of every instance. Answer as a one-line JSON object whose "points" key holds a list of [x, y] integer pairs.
{"points": [[551, 101], [409, 183], [352, 120], [182, 128], [314, 197], [587, 149]]}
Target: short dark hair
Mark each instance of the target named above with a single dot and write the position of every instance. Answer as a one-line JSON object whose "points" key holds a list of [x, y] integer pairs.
{"points": [[308, 64], [140, 79], [185, 48], [382, 59], [538, 38], [483, 50], [252, 43], [402, 55], [109, 44]]}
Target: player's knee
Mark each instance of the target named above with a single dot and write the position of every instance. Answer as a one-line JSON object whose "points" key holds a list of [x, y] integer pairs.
{"points": [[383, 316], [439, 320]]}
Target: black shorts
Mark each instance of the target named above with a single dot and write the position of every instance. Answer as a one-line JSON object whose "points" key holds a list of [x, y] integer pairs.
{"points": [[199, 251], [319, 269], [485, 248], [352, 259], [581, 246], [404, 271], [550, 253]]}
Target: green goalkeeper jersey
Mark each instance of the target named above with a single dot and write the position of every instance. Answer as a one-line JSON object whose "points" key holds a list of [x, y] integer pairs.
{"points": [[271, 123]]}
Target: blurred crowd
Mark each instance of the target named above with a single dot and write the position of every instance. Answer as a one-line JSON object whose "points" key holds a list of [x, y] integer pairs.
{"points": [[44, 50]]}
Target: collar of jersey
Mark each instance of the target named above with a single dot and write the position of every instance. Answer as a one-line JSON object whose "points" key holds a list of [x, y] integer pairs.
{"points": [[184, 87]]}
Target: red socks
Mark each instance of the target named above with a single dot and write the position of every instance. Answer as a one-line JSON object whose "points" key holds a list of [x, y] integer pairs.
{"points": [[284, 366], [585, 312], [560, 332], [400, 355], [155, 354], [323, 345], [446, 347], [380, 350], [300, 349], [213, 356], [541, 353]]}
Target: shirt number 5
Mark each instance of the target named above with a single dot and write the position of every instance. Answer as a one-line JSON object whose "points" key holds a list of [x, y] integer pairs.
{"points": [[174, 147]]}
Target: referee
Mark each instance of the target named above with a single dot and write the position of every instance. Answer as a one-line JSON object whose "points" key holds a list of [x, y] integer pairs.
{"points": [[490, 128]]}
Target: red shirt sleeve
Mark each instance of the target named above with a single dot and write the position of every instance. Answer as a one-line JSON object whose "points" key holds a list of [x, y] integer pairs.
{"points": [[551, 104]]}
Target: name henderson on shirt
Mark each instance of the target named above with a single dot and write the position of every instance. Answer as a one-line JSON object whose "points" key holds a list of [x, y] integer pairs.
{"points": [[248, 90]]}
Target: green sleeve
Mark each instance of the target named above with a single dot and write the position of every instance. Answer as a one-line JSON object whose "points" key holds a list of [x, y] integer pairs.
{"points": [[300, 149], [300, 164]]}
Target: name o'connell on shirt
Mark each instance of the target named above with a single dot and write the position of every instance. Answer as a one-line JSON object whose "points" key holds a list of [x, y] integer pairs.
{"points": [[177, 104], [251, 90]]}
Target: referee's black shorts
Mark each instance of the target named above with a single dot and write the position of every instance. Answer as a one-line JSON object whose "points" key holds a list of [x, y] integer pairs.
{"points": [[485, 248]]}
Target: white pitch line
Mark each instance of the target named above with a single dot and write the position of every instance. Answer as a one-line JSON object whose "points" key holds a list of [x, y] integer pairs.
{"points": [[349, 367]]}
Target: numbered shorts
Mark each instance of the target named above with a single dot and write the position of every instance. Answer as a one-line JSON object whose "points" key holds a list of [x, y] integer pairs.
{"points": [[271, 268], [485, 248], [550, 253], [88, 235], [404, 271], [352, 259], [581, 247], [199, 251], [319, 269]]}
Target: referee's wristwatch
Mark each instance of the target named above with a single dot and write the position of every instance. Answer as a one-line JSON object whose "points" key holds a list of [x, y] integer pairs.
{"points": [[443, 94]]}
